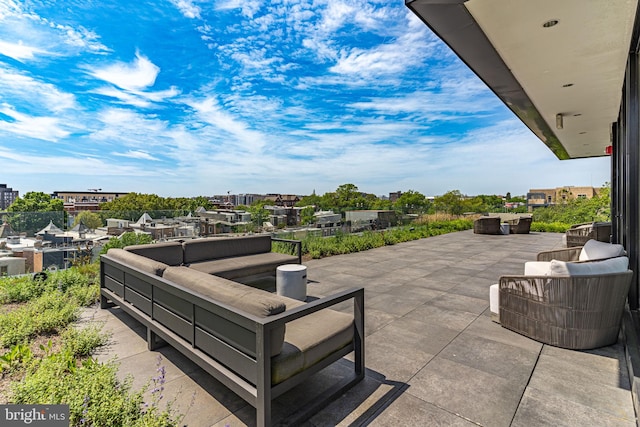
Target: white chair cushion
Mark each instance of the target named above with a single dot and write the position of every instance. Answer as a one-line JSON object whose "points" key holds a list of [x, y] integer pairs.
{"points": [[612, 265], [494, 301], [536, 268], [594, 249]]}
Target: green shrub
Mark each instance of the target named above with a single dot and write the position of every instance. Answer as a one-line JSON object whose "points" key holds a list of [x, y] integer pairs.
{"points": [[93, 392], [47, 314], [25, 288], [318, 247], [551, 227], [82, 342], [127, 239]]}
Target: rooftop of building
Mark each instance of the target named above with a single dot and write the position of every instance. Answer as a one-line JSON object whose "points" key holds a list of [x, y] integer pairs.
{"points": [[433, 355]]}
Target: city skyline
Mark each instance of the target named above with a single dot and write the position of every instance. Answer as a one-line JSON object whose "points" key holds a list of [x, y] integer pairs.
{"points": [[187, 98]]}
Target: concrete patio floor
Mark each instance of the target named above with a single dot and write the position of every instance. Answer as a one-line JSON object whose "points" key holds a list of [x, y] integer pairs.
{"points": [[433, 355]]}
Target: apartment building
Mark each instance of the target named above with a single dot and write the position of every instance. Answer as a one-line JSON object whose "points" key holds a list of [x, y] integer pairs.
{"points": [[7, 196], [537, 198]]}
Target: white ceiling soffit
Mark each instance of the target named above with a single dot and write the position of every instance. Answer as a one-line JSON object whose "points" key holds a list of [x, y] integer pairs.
{"points": [[574, 68]]}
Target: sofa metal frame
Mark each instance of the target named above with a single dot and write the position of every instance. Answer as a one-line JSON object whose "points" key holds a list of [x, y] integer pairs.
{"points": [[249, 377]]}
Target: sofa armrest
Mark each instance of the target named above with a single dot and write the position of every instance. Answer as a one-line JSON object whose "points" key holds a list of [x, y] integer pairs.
{"points": [[297, 244], [566, 254], [357, 294], [266, 324]]}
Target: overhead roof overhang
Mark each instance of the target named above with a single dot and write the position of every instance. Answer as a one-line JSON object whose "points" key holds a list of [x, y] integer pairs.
{"points": [[563, 79]]}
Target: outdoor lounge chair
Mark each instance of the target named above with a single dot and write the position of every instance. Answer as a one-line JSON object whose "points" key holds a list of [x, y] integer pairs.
{"points": [[579, 234], [487, 225], [575, 305], [592, 250], [520, 225]]}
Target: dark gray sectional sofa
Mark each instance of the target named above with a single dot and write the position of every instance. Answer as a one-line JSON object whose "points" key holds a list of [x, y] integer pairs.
{"points": [[183, 294]]}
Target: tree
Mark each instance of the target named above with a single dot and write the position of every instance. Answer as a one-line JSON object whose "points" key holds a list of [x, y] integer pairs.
{"points": [[132, 205], [36, 201], [307, 215], [410, 202], [258, 213], [311, 200], [450, 202], [90, 219], [34, 211]]}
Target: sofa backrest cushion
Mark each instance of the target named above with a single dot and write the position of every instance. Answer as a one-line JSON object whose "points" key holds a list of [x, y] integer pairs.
{"points": [[607, 266], [224, 247], [251, 300], [168, 252], [595, 249], [140, 262]]}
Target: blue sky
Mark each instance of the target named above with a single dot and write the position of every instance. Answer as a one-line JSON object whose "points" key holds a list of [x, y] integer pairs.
{"points": [[187, 98]]}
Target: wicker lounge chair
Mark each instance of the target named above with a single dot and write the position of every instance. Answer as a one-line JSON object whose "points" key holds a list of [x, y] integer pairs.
{"points": [[592, 250], [487, 225], [520, 225], [579, 234], [575, 305], [578, 312]]}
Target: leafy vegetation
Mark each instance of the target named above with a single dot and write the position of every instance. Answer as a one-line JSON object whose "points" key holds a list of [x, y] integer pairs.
{"points": [[318, 247], [132, 205], [32, 212], [577, 211], [65, 372], [127, 239], [90, 219]]}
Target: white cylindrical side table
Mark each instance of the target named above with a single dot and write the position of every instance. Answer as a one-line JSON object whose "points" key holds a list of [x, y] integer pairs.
{"points": [[504, 228], [291, 281]]}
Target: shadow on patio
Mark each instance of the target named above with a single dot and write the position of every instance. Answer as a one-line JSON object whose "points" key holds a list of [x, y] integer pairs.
{"points": [[433, 355]]}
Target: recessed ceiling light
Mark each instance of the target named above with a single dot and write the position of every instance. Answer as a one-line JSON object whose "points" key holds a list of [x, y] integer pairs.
{"points": [[550, 23], [567, 85]]}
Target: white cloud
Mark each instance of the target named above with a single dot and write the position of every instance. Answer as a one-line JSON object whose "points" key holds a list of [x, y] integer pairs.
{"points": [[130, 129], [27, 36], [137, 75], [18, 51], [137, 98], [44, 128], [61, 169], [248, 7], [131, 80], [137, 154], [187, 8], [245, 139], [39, 95]]}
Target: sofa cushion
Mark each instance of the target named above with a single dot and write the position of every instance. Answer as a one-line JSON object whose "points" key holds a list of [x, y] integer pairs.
{"points": [[198, 250], [594, 249], [243, 266], [608, 266], [169, 253], [252, 300], [310, 339], [140, 262]]}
